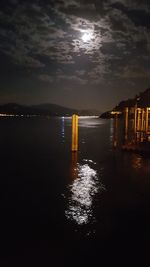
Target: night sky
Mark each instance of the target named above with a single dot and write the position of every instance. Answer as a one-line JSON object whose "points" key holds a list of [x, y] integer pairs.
{"points": [[75, 53]]}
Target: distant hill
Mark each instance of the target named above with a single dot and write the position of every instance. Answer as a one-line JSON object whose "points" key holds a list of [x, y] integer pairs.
{"points": [[142, 100], [43, 110]]}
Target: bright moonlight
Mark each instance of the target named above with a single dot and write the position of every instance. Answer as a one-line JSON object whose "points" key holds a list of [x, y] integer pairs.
{"points": [[87, 36]]}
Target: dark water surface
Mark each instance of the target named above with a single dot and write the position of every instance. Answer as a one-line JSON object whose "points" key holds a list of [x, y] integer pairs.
{"points": [[62, 209]]}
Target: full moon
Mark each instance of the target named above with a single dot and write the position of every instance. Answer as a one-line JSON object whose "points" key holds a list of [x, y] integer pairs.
{"points": [[87, 36]]}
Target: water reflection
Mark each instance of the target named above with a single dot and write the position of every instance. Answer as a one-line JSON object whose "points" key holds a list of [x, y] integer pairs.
{"points": [[114, 131], [90, 122], [63, 129], [137, 161], [111, 130], [74, 168], [84, 187], [115, 140]]}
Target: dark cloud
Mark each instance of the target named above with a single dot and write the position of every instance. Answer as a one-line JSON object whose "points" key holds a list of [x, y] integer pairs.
{"points": [[140, 16], [44, 40]]}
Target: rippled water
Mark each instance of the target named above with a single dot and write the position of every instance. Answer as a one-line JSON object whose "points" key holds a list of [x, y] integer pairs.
{"points": [[86, 184], [60, 208]]}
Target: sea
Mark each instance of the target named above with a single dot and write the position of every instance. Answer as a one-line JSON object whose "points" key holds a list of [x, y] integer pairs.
{"points": [[60, 208]]}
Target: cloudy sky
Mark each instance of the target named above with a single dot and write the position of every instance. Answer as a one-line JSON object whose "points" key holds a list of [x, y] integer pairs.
{"points": [[76, 53]]}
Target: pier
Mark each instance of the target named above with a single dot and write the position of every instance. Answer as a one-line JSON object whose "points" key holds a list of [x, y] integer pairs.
{"points": [[136, 132]]}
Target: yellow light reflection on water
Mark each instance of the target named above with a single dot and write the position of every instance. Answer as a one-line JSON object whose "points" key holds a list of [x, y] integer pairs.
{"points": [[82, 191], [136, 161]]}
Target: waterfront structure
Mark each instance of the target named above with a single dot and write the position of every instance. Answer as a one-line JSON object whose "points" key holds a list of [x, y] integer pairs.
{"points": [[136, 130], [74, 144]]}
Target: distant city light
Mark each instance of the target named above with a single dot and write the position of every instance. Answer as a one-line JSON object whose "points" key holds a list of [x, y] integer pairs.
{"points": [[7, 115], [17, 115]]}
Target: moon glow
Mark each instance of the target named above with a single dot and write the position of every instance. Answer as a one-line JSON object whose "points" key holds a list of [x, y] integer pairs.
{"points": [[87, 36]]}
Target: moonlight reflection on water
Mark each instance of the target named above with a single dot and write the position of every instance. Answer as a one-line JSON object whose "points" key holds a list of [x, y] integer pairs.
{"points": [[83, 189]]}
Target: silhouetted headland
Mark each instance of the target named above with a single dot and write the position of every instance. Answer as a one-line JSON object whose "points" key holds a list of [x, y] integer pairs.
{"points": [[44, 110], [141, 100]]}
